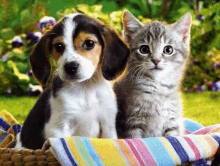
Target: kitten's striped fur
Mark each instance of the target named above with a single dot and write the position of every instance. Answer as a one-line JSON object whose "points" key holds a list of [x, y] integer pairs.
{"points": [[148, 98]]}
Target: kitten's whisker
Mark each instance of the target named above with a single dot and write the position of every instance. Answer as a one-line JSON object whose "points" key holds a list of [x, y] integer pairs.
{"points": [[131, 71], [139, 67], [136, 77], [135, 71], [139, 73], [132, 63], [142, 73]]}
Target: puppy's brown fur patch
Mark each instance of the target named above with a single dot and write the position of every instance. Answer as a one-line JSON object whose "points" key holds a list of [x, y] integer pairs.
{"points": [[93, 54], [55, 54]]}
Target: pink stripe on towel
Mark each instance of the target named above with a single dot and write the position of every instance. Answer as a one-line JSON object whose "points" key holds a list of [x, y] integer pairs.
{"points": [[194, 148], [145, 154], [135, 152]]}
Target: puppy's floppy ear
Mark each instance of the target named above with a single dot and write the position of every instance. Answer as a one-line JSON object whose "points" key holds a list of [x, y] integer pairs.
{"points": [[39, 60], [115, 53]]}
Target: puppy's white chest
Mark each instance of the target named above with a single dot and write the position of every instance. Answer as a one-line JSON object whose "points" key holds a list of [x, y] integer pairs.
{"points": [[84, 101], [77, 112]]}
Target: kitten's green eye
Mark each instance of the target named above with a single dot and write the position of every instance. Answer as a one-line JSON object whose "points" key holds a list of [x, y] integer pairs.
{"points": [[168, 50], [144, 49]]}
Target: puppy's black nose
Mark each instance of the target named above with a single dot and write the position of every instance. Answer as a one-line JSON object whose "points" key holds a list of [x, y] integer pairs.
{"points": [[71, 67]]}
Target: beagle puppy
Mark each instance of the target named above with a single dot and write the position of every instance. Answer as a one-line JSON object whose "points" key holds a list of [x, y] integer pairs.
{"points": [[78, 101]]}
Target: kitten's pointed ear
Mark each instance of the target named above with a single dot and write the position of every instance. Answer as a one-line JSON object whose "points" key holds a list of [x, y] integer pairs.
{"points": [[182, 26], [130, 26]]}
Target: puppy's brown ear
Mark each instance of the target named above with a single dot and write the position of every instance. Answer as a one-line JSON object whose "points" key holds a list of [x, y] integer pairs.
{"points": [[40, 62], [116, 54]]}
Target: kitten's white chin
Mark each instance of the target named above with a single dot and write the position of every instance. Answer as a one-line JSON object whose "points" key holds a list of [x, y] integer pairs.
{"points": [[158, 74]]}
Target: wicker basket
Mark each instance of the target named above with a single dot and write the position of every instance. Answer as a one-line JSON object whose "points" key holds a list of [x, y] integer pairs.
{"points": [[18, 157]]}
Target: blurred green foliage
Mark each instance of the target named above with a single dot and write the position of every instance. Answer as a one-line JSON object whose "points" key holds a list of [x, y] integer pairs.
{"points": [[21, 16], [13, 72]]}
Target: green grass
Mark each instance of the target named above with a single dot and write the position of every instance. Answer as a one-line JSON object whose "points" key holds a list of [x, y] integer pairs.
{"points": [[202, 107], [17, 106]]}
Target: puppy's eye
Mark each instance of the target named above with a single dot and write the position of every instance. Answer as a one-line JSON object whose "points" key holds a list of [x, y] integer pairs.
{"points": [[59, 47], [144, 49], [88, 44], [168, 50]]}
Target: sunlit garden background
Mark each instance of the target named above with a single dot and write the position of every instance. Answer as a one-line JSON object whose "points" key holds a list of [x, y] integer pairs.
{"points": [[21, 27]]}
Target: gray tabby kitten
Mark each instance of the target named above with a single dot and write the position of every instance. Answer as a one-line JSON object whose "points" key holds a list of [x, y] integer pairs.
{"points": [[148, 98]]}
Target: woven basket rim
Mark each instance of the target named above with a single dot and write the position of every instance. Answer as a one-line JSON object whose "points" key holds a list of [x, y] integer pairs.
{"points": [[15, 156]]}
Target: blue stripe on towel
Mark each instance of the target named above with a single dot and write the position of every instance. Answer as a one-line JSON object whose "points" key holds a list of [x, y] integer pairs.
{"points": [[16, 128], [179, 149], [201, 162], [158, 151], [59, 151], [91, 151], [191, 125], [4, 125], [217, 138], [3, 136], [68, 152]]}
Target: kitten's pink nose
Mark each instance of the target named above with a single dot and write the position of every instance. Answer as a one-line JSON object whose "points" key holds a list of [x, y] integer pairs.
{"points": [[155, 61]]}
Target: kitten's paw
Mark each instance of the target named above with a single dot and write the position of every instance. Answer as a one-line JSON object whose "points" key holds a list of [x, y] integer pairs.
{"points": [[172, 133], [134, 133]]}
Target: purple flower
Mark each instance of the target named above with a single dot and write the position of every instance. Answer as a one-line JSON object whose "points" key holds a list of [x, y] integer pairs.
{"points": [[4, 57], [8, 91], [34, 37], [199, 88], [200, 17], [215, 66], [213, 87], [46, 23], [34, 90], [17, 42], [218, 85], [29, 72]]}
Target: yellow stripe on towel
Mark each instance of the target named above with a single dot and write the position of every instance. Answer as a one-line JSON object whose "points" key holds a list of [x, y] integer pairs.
{"points": [[108, 152], [212, 144], [8, 139], [8, 117], [171, 151], [202, 140], [75, 151]]}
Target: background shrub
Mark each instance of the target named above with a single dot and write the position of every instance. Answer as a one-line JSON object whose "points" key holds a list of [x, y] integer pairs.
{"points": [[18, 17]]}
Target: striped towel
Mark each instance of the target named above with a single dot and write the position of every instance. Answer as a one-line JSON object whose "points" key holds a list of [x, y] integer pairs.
{"points": [[163, 151], [191, 126], [9, 128], [201, 144]]}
